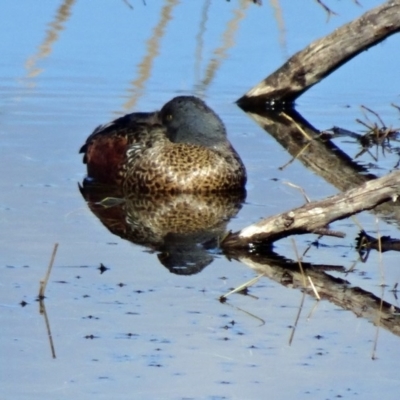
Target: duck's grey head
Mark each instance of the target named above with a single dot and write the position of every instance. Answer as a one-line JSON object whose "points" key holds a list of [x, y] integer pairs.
{"points": [[189, 120]]}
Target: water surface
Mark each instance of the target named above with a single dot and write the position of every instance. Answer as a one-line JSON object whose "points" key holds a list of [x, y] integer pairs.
{"points": [[137, 330]]}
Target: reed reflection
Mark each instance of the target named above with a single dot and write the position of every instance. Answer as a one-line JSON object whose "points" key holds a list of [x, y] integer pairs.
{"points": [[180, 228], [152, 46], [228, 41], [200, 38], [44, 50], [145, 67]]}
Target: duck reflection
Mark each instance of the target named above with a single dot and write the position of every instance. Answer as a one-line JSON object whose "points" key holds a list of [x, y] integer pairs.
{"points": [[181, 228]]}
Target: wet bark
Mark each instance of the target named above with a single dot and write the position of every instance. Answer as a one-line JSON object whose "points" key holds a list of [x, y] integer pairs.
{"points": [[314, 216], [325, 55]]}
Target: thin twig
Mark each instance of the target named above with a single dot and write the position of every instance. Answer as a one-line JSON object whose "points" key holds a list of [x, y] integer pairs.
{"points": [[396, 106], [246, 312], [299, 262], [312, 310], [128, 4], [289, 118], [303, 149], [43, 283], [378, 324], [310, 245], [297, 319], [300, 189], [241, 287], [314, 288], [328, 11], [378, 320], [42, 310], [374, 113], [356, 221]]}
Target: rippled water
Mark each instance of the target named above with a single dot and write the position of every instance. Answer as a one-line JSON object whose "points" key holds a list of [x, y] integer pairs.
{"points": [[137, 330]]}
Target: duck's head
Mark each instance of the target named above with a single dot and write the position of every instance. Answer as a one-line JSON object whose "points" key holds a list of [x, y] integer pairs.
{"points": [[189, 120]]}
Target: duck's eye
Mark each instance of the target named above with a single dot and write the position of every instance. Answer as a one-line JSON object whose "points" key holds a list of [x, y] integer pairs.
{"points": [[168, 117]]}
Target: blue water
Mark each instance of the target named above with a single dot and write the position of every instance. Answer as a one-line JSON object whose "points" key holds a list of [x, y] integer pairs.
{"points": [[61, 75]]}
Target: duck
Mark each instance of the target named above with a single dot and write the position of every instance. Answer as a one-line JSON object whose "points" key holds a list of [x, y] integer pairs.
{"points": [[182, 148]]}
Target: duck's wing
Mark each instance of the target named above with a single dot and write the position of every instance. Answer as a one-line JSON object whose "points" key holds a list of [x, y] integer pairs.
{"points": [[120, 127], [105, 149]]}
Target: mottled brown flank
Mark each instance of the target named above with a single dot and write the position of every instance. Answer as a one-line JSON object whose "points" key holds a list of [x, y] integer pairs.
{"points": [[182, 168]]}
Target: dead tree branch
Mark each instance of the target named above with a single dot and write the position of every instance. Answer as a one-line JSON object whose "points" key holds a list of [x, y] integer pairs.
{"points": [[325, 55], [318, 214]]}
